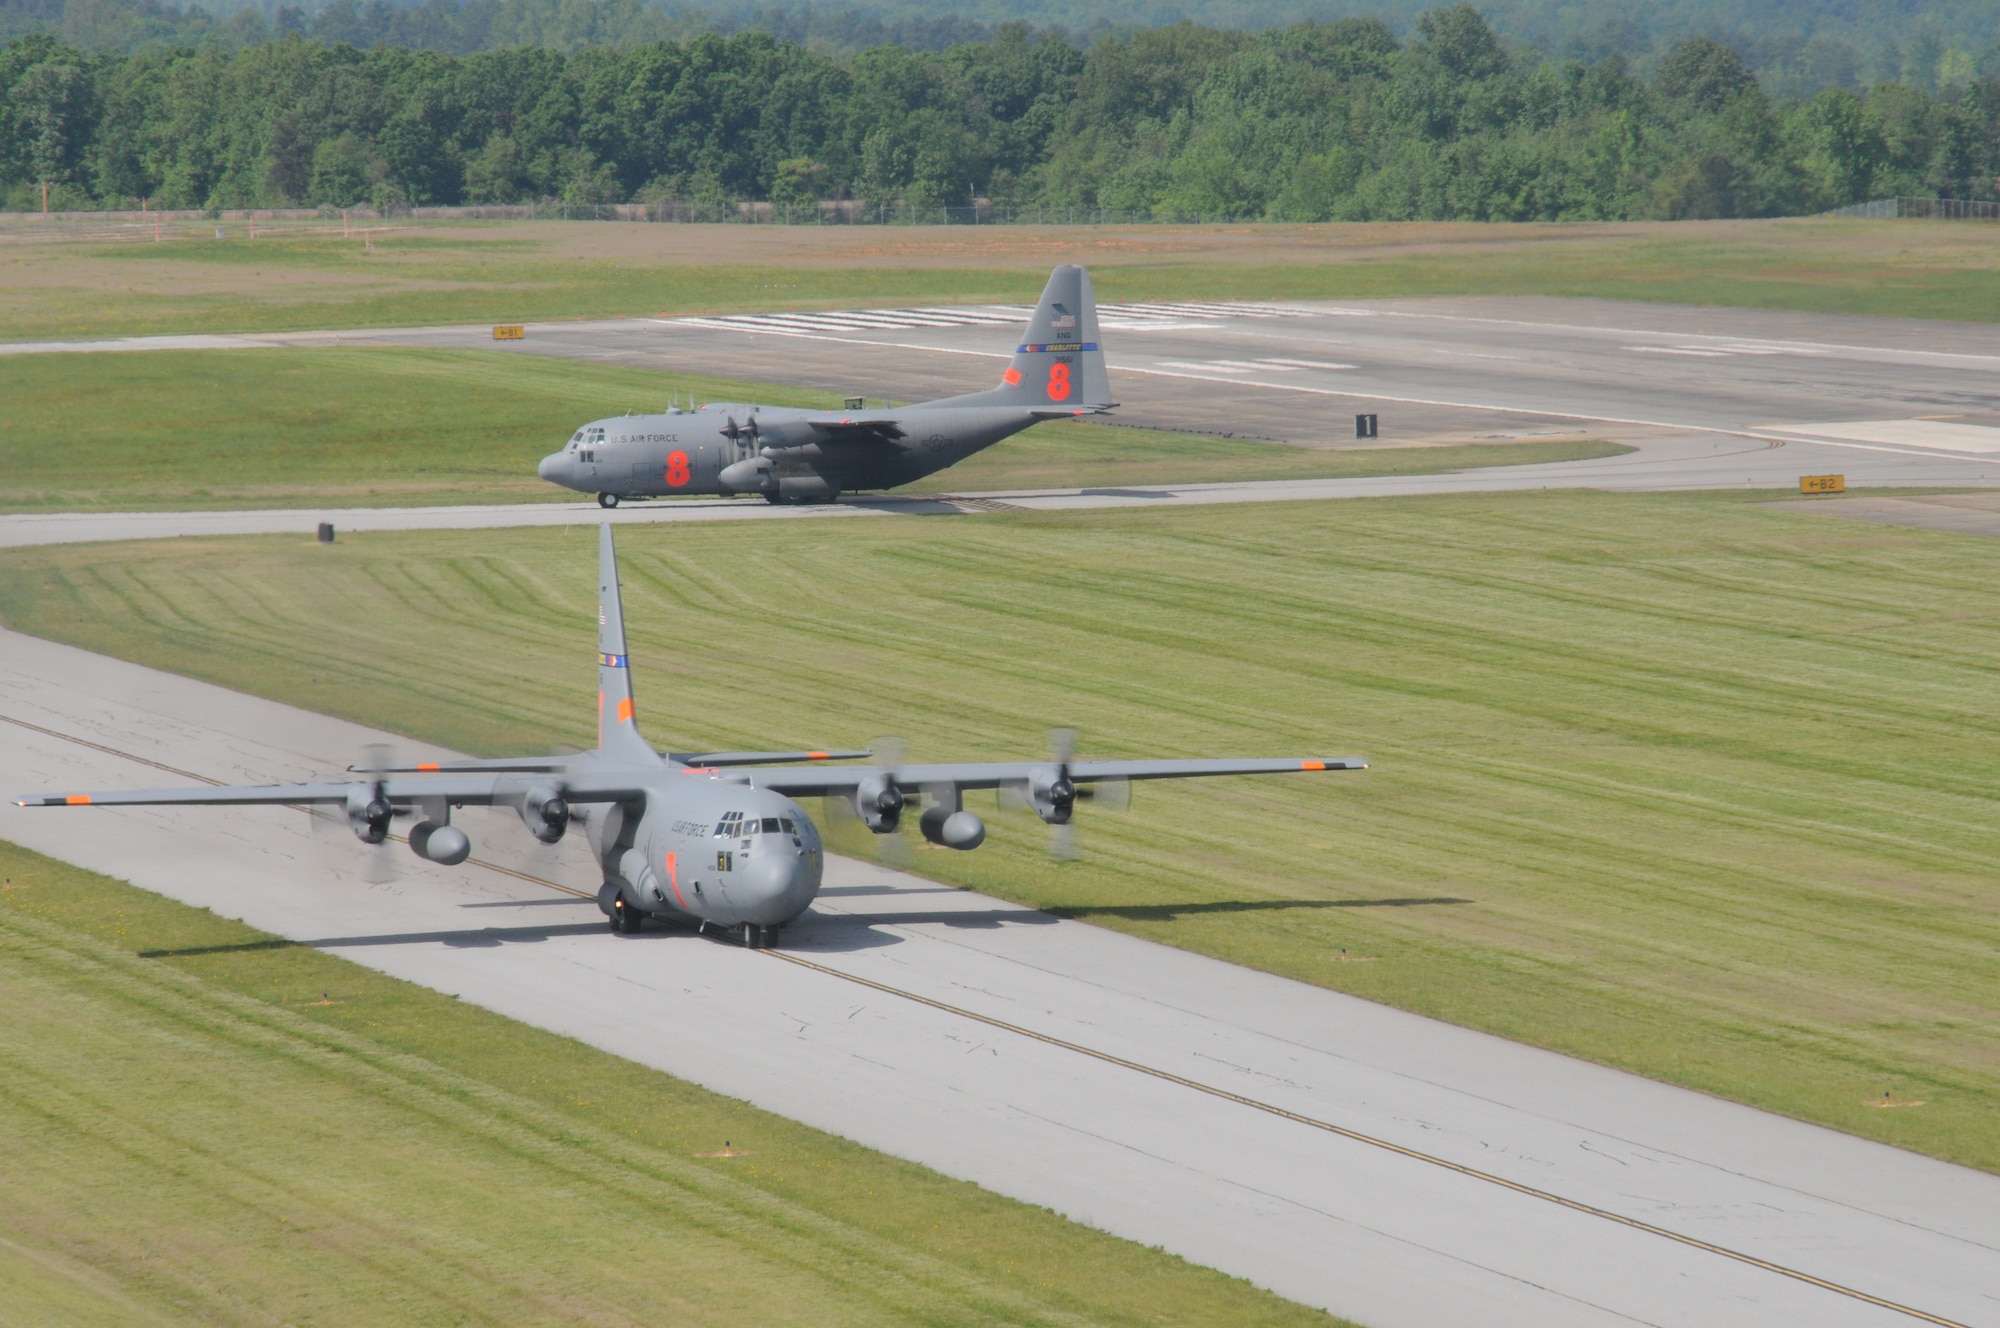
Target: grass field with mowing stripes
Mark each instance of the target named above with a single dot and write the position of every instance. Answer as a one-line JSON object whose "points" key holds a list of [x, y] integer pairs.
{"points": [[367, 427], [1678, 783], [200, 1124]]}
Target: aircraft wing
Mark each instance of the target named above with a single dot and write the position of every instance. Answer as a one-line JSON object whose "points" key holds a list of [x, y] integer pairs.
{"points": [[850, 429], [807, 783], [467, 789]]}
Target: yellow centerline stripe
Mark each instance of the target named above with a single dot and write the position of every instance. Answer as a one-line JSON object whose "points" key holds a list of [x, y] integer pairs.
{"points": [[1329, 1127]]}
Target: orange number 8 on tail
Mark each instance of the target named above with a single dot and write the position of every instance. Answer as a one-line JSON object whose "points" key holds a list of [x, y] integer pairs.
{"points": [[1058, 382]]}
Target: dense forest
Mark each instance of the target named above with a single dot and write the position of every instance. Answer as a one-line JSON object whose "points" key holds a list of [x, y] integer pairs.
{"points": [[1312, 121], [1795, 47]]}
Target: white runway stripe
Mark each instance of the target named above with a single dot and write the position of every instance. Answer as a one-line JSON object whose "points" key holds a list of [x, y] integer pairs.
{"points": [[1129, 317]]}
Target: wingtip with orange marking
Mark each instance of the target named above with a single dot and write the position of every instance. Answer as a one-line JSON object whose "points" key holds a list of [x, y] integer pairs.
{"points": [[77, 800]]}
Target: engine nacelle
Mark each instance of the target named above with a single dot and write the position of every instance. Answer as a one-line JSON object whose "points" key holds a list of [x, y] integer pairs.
{"points": [[445, 845], [368, 814], [753, 475], [545, 812], [1052, 795], [953, 829], [879, 803]]}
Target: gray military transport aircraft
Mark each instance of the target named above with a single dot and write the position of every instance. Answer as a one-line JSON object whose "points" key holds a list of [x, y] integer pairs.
{"points": [[712, 839], [811, 456]]}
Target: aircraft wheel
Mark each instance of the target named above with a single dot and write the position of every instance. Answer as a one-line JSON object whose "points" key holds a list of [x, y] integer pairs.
{"points": [[775, 499], [628, 919], [752, 935], [607, 500], [770, 938]]}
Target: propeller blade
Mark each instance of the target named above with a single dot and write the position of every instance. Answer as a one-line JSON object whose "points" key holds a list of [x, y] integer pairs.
{"points": [[1062, 834], [1110, 794], [379, 867], [889, 752], [891, 850]]}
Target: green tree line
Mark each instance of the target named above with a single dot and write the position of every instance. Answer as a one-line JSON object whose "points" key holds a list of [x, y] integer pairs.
{"points": [[1310, 122]]}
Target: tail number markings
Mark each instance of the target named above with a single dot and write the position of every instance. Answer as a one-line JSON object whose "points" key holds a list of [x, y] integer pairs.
{"points": [[1059, 381], [677, 469]]}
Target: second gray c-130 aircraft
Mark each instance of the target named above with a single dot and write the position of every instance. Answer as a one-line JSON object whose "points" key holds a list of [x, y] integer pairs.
{"points": [[713, 839], [812, 456]]}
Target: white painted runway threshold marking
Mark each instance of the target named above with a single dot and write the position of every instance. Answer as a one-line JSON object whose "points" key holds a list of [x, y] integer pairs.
{"points": [[1117, 317], [1940, 434], [1193, 1085]]}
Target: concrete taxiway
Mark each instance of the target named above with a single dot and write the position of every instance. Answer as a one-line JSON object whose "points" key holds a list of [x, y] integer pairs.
{"points": [[1346, 1155], [1711, 398], [1433, 370], [1659, 465]]}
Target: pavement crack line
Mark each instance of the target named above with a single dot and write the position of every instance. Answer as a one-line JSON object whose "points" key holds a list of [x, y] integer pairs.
{"points": [[1167, 1076], [1472, 1173]]}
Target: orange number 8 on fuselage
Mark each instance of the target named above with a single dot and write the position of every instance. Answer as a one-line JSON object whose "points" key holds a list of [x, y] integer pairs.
{"points": [[1058, 382], [677, 469]]}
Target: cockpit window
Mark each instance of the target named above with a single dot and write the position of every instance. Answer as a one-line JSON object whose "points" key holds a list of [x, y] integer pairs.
{"points": [[790, 829], [770, 825]]}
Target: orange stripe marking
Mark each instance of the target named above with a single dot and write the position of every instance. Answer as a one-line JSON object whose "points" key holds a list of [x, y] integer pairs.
{"points": [[674, 880], [78, 800], [625, 711], [1312, 765], [817, 756], [427, 766]]}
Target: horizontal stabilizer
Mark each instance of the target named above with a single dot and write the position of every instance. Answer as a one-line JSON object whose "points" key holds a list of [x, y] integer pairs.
{"points": [[506, 765], [761, 758]]}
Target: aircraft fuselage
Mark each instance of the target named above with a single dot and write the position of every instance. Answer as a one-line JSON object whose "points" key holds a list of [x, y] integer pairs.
{"points": [[726, 450], [703, 848]]}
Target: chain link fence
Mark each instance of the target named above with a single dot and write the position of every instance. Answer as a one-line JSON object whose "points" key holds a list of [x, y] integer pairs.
{"points": [[1940, 209], [361, 222]]}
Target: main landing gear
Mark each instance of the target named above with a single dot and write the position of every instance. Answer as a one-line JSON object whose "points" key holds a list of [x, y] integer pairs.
{"points": [[607, 501], [623, 917]]}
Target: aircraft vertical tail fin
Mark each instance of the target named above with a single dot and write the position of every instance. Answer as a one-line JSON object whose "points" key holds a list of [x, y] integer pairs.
{"points": [[617, 721], [1060, 363]]}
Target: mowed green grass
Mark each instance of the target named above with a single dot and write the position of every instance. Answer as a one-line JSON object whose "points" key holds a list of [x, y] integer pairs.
{"points": [[200, 1124], [1679, 783], [502, 272], [370, 427]]}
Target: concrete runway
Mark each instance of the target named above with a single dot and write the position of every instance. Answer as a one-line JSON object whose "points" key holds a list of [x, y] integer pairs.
{"points": [[1389, 1168], [1712, 398], [1434, 370]]}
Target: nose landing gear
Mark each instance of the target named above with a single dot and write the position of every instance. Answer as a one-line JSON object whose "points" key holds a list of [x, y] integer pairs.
{"points": [[759, 938], [607, 500]]}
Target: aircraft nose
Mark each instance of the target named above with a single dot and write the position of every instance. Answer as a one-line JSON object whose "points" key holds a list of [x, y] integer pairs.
{"points": [[552, 468], [774, 888]]}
